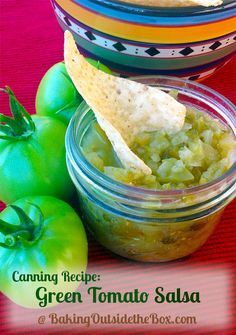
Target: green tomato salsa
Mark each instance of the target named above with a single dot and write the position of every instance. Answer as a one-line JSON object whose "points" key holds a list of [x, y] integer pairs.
{"points": [[145, 242], [202, 151]]}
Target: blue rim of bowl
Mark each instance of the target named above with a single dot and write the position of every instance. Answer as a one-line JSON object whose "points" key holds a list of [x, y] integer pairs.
{"points": [[180, 16], [165, 11]]}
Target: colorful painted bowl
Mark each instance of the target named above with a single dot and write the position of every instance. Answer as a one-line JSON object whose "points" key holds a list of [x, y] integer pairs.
{"points": [[191, 42]]}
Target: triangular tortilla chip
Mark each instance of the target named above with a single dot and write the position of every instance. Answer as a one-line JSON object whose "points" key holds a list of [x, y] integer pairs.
{"points": [[122, 107]]}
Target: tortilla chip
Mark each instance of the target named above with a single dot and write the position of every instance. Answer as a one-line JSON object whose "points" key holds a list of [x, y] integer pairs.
{"points": [[175, 3], [125, 154], [123, 107]]}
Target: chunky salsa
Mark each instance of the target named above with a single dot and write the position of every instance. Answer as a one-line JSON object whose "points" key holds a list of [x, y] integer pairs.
{"points": [[201, 152]]}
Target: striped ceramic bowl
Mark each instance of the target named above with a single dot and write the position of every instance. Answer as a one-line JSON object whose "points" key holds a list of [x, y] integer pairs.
{"points": [[191, 42]]}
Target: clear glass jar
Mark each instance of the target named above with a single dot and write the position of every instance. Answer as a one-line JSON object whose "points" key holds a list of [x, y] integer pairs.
{"points": [[142, 224]]}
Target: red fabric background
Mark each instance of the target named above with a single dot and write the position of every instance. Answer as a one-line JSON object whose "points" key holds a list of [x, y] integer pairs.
{"points": [[30, 42]]}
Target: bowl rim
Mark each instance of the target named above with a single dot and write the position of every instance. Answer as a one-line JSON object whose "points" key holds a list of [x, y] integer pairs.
{"points": [[166, 11]]}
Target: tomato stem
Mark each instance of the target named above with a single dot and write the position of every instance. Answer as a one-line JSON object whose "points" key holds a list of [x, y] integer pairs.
{"points": [[21, 125], [27, 232], [7, 228]]}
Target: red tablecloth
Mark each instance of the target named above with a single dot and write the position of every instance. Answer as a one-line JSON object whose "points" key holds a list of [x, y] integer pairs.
{"points": [[31, 41]]}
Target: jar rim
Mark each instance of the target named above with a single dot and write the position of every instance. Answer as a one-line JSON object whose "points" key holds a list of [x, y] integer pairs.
{"points": [[110, 183]]}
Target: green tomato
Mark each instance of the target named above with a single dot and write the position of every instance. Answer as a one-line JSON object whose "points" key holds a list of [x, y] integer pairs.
{"points": [[57, 95], [99, 65], [40, 235], [32, 156]]}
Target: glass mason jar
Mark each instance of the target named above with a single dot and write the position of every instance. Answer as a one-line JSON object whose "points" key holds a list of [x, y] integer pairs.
{"points": [[143, 224]]}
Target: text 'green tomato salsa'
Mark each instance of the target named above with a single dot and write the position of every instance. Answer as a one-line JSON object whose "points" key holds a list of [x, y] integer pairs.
{"points": [[201, 152]]}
